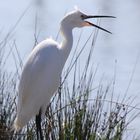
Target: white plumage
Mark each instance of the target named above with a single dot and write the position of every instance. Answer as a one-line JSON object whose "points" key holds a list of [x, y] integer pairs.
{"points": [[41, 73], [37, 84]]}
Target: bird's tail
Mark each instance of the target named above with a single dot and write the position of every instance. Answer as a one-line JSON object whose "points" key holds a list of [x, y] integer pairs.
{"points": [[17, 124]]}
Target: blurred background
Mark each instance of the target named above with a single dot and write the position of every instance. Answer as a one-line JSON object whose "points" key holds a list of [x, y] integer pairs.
{"points": [[115, 54]]}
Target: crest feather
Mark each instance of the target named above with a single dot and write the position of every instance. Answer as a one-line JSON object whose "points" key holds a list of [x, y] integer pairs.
{"points": [[76, 8]]}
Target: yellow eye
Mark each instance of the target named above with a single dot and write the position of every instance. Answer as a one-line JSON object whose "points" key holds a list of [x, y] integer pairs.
{"points": [[82, 16]]}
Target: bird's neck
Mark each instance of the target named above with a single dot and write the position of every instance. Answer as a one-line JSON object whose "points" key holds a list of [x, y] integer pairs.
{"points": [[67, 41]]}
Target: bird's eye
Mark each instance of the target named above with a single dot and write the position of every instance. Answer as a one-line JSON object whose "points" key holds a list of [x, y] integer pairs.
{"points": [[82, 16]]}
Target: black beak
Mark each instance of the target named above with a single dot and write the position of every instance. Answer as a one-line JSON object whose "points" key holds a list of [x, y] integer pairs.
{"points": [[101, 16]]}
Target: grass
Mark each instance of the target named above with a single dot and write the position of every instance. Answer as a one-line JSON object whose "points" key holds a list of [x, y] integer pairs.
{"points": [[77, 112]]}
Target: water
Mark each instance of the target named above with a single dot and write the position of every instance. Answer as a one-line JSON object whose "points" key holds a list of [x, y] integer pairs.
{"points": [[121, 49]]}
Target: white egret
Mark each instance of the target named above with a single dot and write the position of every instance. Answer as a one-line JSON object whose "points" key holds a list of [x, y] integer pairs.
{"points": [[41, 73]]}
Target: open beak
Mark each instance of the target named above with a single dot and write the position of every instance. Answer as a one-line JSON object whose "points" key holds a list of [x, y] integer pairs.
{"points": [[87, 23]]}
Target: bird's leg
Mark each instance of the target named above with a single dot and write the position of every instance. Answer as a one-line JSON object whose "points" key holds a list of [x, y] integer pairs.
{"points": [[38, 126], [37, 132]]}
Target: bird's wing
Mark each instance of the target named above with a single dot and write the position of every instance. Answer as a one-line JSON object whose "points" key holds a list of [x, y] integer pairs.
{"points": [[39, 59]]}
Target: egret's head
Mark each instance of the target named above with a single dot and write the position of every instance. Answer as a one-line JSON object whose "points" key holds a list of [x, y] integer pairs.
{"points": [[78, 19]]}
